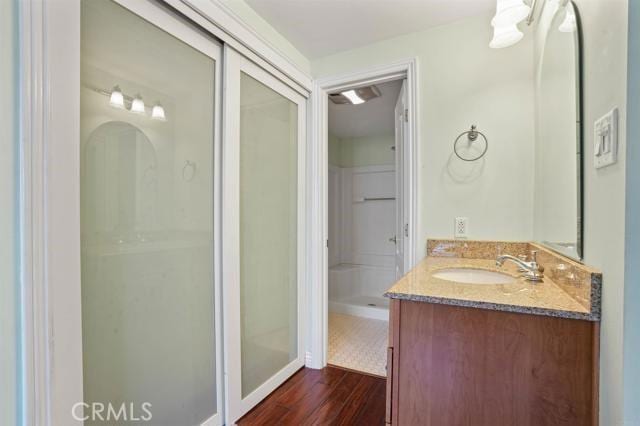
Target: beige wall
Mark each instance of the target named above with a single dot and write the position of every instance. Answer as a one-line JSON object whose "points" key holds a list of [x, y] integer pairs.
{"points": [[605, 65], [268, 33], [468, 84]]}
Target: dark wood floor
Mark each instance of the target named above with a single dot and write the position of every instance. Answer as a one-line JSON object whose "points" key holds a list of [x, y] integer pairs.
{"points": [[331, 396]]}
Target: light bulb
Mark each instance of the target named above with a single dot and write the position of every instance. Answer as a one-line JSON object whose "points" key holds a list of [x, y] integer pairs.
{"points": [[510, 12], [116, 99], [157, 113], [137, 105], [505, 36]]}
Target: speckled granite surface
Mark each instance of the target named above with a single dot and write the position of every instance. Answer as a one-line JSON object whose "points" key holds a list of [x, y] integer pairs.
{"points": [[569, 289]]}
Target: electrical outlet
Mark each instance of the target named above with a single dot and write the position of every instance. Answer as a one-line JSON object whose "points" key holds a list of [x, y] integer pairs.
{"points": [[461, 227]]}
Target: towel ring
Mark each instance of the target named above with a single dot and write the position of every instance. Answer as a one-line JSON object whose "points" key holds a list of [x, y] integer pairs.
{"points": [[472, 137], [188, 171]]}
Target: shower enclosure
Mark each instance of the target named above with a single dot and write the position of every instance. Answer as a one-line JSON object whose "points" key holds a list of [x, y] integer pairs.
{"points": [[362, 214]]}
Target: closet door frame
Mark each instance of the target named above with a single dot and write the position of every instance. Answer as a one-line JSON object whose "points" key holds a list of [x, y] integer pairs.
{"points": [[50, 202], [235, 64]]}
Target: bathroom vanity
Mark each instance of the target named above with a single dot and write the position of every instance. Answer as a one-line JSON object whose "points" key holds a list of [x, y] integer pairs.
{"points": [[465, 351]]}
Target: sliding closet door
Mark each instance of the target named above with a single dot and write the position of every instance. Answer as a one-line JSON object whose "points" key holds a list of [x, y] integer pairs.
{"points": [[150, 85], [263, 241]]}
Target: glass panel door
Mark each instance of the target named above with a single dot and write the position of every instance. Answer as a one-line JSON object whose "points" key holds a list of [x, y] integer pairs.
{"points": [[264, 146], [10, 298], [150, 299]]}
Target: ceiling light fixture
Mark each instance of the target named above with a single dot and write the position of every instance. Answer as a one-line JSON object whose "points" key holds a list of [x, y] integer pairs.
{"points": [[116, 99], [137, 105], [353, 97], [157, 113], [510, 12], [505, 36]]}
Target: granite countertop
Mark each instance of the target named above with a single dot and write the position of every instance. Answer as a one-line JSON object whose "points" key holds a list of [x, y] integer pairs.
{"points": [[538, 298]]}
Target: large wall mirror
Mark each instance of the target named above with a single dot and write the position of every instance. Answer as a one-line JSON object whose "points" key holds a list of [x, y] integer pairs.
{"points": [[557, 219]]}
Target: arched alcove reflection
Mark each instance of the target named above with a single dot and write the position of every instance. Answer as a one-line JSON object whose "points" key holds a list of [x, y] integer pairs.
{"points": [[119, 184]]}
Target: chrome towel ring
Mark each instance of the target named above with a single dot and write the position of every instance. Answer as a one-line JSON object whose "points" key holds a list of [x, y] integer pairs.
{"points": [[470, 145]]}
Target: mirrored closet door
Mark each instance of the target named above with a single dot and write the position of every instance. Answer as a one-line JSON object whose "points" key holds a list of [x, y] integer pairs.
{"points": [[191, 240], [263, 219], [151, 317]]}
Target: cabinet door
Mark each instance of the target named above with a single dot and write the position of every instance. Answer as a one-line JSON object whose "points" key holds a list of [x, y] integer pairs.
{"points": [[393, 362], [263, 244]]}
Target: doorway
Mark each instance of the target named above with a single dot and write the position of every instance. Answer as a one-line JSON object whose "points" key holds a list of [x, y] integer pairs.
{"points": [[320, 240], [365, 220]]}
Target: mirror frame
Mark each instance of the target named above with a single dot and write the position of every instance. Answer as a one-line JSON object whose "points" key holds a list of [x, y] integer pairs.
{"points": [[578, 37]]}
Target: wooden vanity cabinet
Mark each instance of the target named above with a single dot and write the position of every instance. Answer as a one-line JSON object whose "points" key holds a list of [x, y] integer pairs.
{"points": [[450, 366]]}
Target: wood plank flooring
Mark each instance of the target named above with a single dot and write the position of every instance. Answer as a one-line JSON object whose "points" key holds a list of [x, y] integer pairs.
{"points": [[331, 396]]}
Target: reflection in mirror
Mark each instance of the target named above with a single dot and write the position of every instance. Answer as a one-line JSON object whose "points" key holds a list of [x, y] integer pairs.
{"points": [[558, 182], [147, 163], [123, 181]]}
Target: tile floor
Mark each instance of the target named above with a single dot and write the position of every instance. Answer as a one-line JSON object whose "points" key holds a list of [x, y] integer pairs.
{"points": [[358, 343]]}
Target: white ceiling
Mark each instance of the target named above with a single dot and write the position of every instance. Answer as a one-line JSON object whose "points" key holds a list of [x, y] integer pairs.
{"points": [[322, 27], [374, 117]]}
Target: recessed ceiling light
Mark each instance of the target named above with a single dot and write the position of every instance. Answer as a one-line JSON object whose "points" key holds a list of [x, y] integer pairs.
{"points": [[353, 97]]}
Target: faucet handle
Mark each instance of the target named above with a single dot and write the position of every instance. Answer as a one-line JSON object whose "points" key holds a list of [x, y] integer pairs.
{"points": [[534, 259]]}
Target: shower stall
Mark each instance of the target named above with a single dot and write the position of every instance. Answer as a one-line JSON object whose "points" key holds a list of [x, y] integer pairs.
{"points": [[362, 215]]}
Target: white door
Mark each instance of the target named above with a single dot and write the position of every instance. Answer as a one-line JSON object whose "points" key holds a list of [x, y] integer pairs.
{"points": [[150, 165], [263, 242], [402, 222]]}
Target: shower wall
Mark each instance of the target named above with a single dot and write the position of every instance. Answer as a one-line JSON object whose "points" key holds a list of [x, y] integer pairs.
{"points": [[361, 230]]}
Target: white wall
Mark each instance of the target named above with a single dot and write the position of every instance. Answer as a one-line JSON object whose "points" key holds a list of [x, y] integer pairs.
{"points": [[632, 271], [8, 218], [463, 82], [265, 31], [605, 67]]}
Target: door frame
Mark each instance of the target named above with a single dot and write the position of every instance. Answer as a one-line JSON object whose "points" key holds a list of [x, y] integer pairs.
{"points": [[318, 188]]}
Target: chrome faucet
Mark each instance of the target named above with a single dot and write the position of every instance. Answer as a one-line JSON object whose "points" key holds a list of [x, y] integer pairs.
{"points": [[532, 270]]}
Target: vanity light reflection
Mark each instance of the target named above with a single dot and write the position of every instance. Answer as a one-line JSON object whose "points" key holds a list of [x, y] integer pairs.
{"points": [[157, 113], [505, 36], [137, 105], [117, 100]]}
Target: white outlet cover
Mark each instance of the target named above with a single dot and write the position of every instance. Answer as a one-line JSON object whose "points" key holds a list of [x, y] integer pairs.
{"points": [[461, 227], [605, 140]]}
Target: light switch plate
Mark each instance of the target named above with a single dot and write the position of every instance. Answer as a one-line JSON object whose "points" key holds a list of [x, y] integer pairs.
{"points": [[461, 227], [605, 140]]}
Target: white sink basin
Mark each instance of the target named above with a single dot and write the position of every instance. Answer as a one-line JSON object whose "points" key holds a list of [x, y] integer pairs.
{"points": [[473, 276]]}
